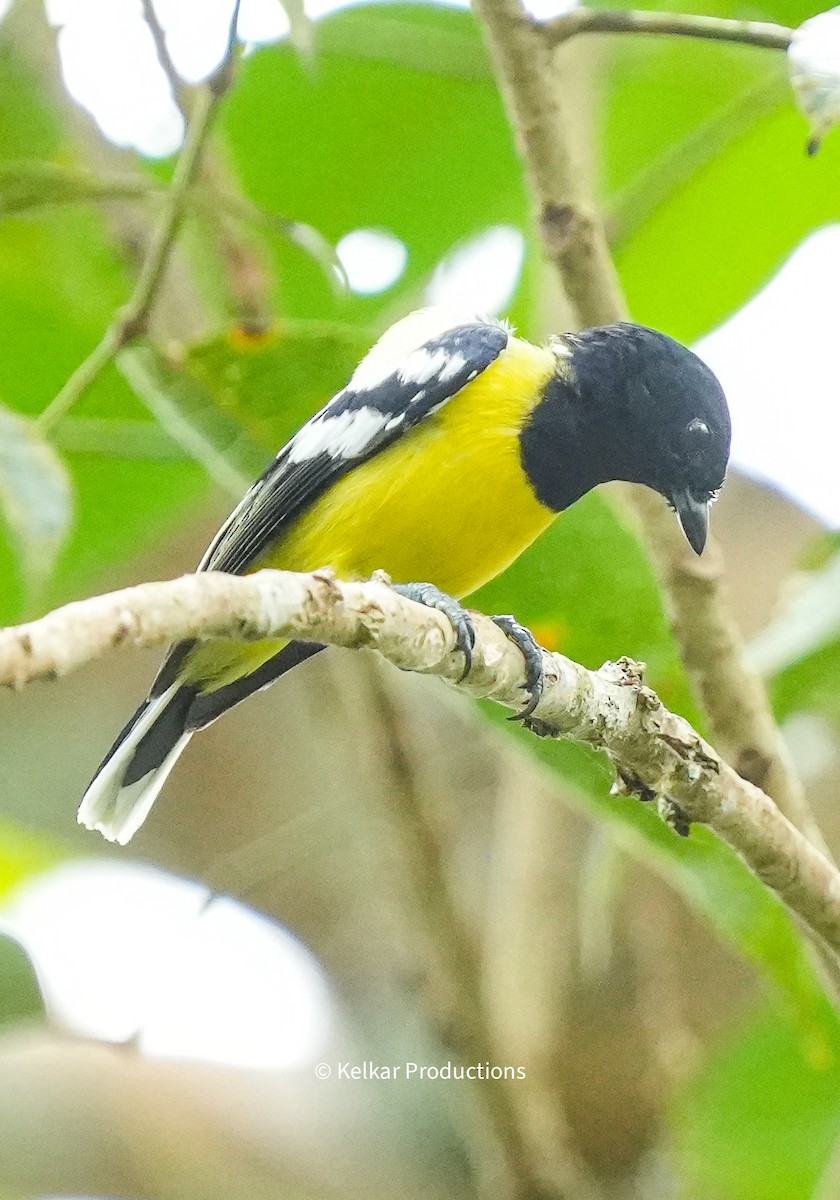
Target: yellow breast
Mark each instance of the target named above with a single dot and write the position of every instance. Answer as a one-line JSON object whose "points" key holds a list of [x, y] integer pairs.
{"points": [[448, 502]]}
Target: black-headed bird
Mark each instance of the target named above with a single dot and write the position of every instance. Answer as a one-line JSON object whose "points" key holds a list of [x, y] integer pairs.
{"points": [[453, 446]]}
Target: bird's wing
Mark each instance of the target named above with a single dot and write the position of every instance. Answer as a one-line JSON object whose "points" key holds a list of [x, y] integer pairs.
{"points": [[388, 395]]}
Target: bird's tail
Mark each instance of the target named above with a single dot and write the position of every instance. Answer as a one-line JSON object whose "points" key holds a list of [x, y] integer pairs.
{"points": [[127, 783]]}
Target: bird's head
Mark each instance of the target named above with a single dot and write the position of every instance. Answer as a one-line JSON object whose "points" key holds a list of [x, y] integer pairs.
{"points": [[629, 403]]}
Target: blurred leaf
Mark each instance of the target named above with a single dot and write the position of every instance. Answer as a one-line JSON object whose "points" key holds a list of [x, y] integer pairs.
{"points": [[762, 1118], [187, 415], [36, 497], [235, 400], [268, 386], [60, 283], [810, 622], [810, 683], [232, 402], [27, 186], [116, 439], [20, 995], [697, 136], [725, 206], [348, 144], [22, 854]]}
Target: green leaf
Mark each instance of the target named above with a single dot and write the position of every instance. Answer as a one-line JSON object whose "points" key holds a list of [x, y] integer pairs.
{"points": [[352, 146], [36, 497], [23, 854], [188, 416], [697, 136], [761, 1119]]}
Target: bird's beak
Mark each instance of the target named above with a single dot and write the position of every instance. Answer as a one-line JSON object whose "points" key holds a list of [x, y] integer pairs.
{"points": [[693, 515]]}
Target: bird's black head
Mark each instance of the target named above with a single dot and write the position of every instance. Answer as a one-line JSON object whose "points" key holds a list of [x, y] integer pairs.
{"points": [[632, 404]]}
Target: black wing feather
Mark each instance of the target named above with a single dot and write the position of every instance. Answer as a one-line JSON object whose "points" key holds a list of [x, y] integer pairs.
{"points": [[289, 487]]}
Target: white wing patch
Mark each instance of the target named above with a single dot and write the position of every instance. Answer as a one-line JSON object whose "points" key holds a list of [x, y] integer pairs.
{"points": [[407, 336], [422, 366], [345, 435]]}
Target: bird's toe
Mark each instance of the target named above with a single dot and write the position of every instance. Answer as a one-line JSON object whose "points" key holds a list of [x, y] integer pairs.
{"points": [[528, 646], [462, 623]]}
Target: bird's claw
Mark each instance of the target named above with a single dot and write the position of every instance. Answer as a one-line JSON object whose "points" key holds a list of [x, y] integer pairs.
{"points": [[462, 623], [530, 650]]}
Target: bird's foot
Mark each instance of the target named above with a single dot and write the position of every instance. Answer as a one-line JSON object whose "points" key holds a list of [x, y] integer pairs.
{"points": [[530, 650], [461, 621]]}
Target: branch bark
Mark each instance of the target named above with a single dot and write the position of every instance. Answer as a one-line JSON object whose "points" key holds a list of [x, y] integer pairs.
{"points": [[764, 34], [575, 243], [656, 753]]}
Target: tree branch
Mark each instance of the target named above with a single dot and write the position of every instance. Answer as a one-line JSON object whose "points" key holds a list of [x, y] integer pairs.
{"points": [[575, 243], [764, 34], [656, 753], [131, 320]]}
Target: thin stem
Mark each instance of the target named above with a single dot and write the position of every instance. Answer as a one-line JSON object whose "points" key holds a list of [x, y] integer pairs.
{"points": [[764, 34], [245, 267], [180, 93], [131, 321]]}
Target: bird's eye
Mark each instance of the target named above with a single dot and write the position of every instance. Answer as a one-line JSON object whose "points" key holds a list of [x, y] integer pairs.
{"points": [[696, 436]]}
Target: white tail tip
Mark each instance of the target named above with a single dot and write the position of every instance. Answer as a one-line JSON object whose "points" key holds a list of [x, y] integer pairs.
{"points": [[118, 810]]}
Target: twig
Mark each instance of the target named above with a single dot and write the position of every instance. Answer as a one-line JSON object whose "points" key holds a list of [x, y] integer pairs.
{"points": [[764, 34], [575, 243], [246, 269], [180, 93], [130, 322], [209, 197], [655, 751]]}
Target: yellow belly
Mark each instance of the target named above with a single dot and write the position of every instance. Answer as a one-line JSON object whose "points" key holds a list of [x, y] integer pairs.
{"points": [[448, 503]]}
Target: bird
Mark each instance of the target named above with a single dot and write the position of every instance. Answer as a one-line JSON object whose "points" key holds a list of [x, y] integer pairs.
{"points": [[454, 445]]}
